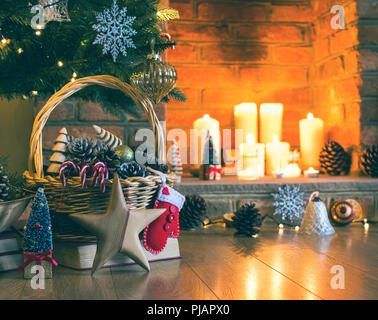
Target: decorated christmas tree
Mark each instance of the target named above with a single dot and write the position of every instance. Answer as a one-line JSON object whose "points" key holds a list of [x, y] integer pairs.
{"points": [[59, 155], [57, 41], [175, 159], [210, 168]]}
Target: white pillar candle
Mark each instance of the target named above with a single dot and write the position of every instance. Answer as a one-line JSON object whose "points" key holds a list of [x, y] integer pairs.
{"points": [[202, 126], [271, 115], [245, 115], [311, 140], [253, 155], [277, 156]]}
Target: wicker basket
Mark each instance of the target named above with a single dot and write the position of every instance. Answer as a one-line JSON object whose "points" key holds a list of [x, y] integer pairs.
{"points": [[139, 191]]}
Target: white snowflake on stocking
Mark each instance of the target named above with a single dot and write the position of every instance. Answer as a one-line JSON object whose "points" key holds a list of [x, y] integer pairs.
{"points": [[115, 30], [289, 204]]}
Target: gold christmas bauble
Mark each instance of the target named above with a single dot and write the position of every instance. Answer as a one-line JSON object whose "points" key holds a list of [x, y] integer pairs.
{"points": [[345, 211], [125, 153], [156, 78]]}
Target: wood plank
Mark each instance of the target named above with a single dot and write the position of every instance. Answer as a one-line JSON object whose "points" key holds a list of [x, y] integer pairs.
{"points": [[11, 284], [233, 273], [167, 280]]}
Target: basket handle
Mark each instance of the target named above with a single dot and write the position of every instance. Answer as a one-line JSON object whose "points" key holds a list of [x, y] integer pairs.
{"points": [[35, 154]]}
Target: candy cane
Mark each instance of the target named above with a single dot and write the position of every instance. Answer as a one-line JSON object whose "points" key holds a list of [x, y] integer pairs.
{"points": [[168, 36], [101, 173], [83, 175], [68, 164]]}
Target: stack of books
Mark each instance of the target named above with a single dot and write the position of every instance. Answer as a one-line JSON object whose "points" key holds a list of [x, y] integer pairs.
{"points": [[10, 252]]}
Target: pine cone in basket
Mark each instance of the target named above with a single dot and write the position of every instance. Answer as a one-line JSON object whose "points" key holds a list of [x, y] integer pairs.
{"points": [[4, 185], [108, 155], [334, 160], [193, 213], [369, 161], [132, 169], [153, 162], [247, 220], [82, 150]]}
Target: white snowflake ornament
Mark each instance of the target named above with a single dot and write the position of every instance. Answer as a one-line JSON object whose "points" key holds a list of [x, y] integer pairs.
{"points": [[289, 204], [115, 30]]}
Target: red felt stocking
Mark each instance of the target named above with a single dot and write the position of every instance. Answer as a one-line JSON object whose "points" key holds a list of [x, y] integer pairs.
{"points": [[156, 233]]}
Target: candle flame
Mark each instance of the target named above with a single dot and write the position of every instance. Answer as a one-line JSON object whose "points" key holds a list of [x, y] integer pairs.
{"points": [[276, 139], [310, 116], [206, 117], [251, 138]]}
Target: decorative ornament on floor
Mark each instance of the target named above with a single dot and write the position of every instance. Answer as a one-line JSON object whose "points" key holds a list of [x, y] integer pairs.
{"points": [[334, 160], [118, 229], [115, 31], [344, 212], [315, 221], [247, 220], [194, 213], [38, 243], [210, 168], [289, 204], [55, 10], [59, 155], [369, 161], [174, 157], [156, 79], [106, 137], [167, 225]]}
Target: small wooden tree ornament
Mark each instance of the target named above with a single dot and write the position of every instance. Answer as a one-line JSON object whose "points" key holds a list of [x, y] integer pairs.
{"points": [[107, 137], [175, 159], [59, 155]]}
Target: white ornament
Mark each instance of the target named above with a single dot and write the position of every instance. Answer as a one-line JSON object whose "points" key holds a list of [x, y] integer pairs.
{"points": [[316, 219], [289, 204], [114, 31]]}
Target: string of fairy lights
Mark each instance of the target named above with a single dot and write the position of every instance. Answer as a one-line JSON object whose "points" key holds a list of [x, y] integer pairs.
{"points": [[163, 14]]}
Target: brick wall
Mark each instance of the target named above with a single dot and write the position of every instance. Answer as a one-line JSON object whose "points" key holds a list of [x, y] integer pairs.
{"points": [[368, 49], [238, 51]]}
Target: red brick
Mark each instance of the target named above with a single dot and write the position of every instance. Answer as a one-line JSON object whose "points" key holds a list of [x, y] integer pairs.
{"points": [[368, 34], [184, 8], [344, 39], [298, 13], [321, 49], [294, 96], [272, 33], [369, 111], [293, 55], [319, 7], [90, 111], [346, 90], [204, 76], [274, 74], [331, 69], [369, 135], [369, 86], [367, 9], [64, 111], [182, 53], [232, 96], [223, 53], [192, 96], [198, 32], [369, 60], [231, 11]]}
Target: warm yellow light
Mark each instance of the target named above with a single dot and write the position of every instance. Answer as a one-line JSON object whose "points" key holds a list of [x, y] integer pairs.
{"points": [[366, 226], [20, 50], [74, 75], [296, 228], [255, 236], [276, 139], [60, 63], [365, 220], [73, 80], [158, 13], [4, 41], [34, 93], [310, 116], [206, 117], [280, 226], [250, 138], [38, 32]]}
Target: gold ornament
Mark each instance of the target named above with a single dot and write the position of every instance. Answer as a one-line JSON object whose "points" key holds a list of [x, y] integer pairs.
{"points": [[118, 229], [345, 211], [156, 79]]}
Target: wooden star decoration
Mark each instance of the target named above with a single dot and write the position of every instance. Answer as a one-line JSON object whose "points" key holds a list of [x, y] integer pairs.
{"points": [[118, 229]]}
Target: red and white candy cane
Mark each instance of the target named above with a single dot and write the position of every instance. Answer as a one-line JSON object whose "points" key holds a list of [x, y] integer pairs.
{"points": [[101, 174], [84, 175], [67, 165], [168, 36]]}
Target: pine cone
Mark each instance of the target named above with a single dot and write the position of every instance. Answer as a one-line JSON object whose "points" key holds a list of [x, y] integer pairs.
{"points": [[132, 169], [334, 160], [247, 220], [193, 213], [369, 161], [108, 155], [82, 150], [154, 163], [4, 185]]}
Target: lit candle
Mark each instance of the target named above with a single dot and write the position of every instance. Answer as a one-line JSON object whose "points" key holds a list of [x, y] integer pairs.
{"points": [[253, 155], [245, 115], [311, 140], [270, 121], [292, 170], [277, 156], [202, 126], [311, 173]]}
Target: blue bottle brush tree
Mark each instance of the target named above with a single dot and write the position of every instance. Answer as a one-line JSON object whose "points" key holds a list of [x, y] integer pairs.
{"points": [[38, 234]]}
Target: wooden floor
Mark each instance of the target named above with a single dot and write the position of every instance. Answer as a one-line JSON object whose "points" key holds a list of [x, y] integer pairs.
{"points": [[216, 265]]}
